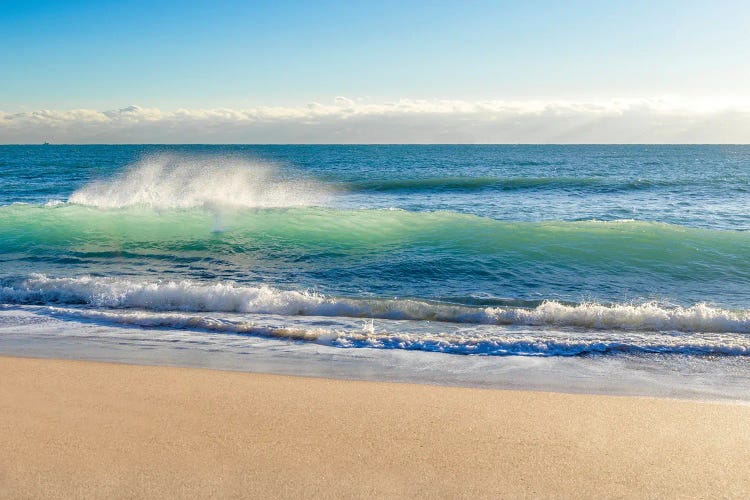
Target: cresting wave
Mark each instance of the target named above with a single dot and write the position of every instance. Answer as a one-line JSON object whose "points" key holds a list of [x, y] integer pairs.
{"points": [[168, 181], [228, 297], [65, 224], [176, 181]]}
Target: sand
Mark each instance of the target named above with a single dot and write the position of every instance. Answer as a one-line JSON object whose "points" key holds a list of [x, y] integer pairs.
{"points": [[84, 429]]}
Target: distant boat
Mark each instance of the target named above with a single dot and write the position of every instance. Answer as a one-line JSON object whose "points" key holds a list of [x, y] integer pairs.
{"points": [[45, 143]]}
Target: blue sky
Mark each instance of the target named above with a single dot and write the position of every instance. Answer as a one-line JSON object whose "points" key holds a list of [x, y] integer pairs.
{"points": [[237, 55], [228, 54]]}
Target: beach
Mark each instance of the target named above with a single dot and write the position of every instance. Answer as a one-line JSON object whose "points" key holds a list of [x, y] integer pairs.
{"points": [[374, 250], [374, 321], [89, 429]]}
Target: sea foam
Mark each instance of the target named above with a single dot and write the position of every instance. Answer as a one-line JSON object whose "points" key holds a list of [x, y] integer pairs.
{"points": [[485, 340], [230, 297]]}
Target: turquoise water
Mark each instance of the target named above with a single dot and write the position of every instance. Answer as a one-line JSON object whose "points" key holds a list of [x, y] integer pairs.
{"points": [[491, 250]]}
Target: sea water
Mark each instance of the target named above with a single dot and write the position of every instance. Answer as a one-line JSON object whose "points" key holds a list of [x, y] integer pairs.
{"points": [[619, 269]]}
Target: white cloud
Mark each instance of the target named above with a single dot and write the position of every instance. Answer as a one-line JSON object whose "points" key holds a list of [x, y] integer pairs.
{"points": [[657, 120]]}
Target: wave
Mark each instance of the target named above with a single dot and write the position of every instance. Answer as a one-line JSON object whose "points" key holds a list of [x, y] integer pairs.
{"points": [[613, 246], [383, 334], [471, 184], [169, 181], [230, 297], [495, 183], [175, 181]]}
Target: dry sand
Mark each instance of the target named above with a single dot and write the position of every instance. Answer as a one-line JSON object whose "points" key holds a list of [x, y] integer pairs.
{"points": [[82, 429]]}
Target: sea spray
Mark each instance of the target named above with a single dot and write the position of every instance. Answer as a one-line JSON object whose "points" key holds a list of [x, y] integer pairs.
{"points": [[169, 181]]}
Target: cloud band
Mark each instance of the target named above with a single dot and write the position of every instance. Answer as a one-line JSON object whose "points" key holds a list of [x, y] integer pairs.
{"points": [[659, 120]]}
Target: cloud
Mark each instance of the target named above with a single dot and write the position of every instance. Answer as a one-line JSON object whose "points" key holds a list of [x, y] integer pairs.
{"points": [[657, 120]]}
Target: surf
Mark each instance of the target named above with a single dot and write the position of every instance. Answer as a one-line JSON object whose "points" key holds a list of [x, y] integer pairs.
{"points": [[193, 296], [382, 334]]}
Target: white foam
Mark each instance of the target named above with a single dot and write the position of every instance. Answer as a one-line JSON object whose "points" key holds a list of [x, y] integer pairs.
{"points": [[492, 340], [230, 297], [649, 316], [37, 331], [173, 181]]}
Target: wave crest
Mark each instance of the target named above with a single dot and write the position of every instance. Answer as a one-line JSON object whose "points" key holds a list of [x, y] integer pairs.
{"points": [[229, 297], [174, 181]]}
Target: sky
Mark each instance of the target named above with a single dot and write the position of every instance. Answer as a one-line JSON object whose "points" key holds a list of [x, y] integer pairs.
{"points": [[385, 71]]}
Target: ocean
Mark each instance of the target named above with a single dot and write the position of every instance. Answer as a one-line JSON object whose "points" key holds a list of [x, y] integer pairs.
{"points": [[617, 269]]}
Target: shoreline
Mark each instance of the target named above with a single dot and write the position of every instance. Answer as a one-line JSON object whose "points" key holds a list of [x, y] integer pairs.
{"points": [[85, 428], [369, 377], [696, 378]]}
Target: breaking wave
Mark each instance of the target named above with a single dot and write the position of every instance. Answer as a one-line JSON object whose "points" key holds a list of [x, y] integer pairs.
{"points": [[485, 340], [174, 181], [229, 297]]}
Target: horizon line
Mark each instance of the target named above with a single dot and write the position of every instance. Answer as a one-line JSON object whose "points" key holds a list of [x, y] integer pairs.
{"points": [[46, 144]]}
